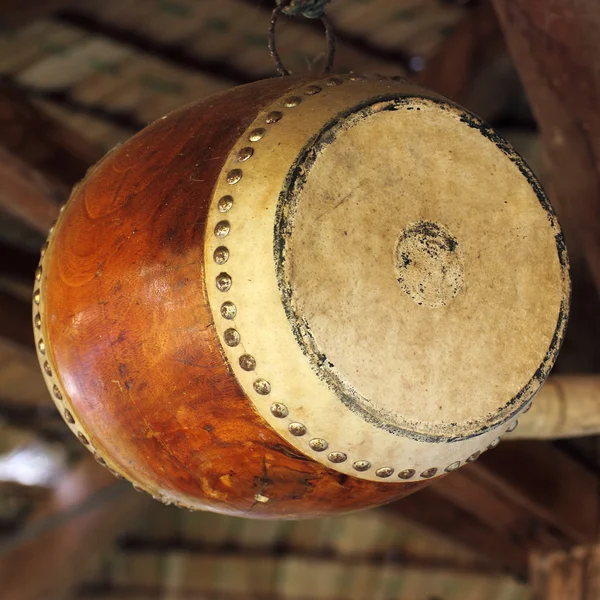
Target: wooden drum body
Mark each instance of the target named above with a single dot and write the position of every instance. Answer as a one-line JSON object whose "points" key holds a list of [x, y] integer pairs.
{"points": [[300, 297]]}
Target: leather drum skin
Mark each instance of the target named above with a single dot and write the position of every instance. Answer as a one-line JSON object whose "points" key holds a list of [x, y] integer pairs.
{"points": [[302, 296]]}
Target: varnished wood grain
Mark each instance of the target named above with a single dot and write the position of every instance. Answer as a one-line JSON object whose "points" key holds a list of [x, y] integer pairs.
{"points": [[132, 338]]}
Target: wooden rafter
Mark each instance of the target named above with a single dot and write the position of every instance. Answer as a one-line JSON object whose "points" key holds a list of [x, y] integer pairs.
{"points": [[59, 154], [87, 509], [566, 575], [28, 195], [516, 498], [15, 12], [556, 49], [463, 54], [15, 324]]}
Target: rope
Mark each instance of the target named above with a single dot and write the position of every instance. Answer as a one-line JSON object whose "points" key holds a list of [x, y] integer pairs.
{"points": [[311, 9]]}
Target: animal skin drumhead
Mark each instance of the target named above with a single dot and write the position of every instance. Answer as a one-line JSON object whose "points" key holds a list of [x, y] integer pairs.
{"points": [[402, 287], [303, 296]]}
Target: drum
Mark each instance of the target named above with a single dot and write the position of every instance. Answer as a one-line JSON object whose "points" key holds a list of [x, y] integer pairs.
{"points": [[300, 297]]}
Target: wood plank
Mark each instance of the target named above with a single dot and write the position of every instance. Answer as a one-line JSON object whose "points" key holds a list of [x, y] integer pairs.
{"points": [[547, 482], [566, 575], [16, 328], [59, 154], [519, 497], [464, 54], [557, 53], [434, 512], [17, 264], [28, 195], [16, 12], [496, 509], [87, 510]]}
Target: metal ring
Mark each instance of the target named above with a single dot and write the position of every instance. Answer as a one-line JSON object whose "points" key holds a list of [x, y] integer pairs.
{"points": [[329, 34]]}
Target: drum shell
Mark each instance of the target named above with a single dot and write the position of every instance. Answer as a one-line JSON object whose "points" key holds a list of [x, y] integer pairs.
{"points": [[130, 351]]}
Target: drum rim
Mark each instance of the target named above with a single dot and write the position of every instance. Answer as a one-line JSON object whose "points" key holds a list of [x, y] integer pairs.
{"points": [[283, 229]]}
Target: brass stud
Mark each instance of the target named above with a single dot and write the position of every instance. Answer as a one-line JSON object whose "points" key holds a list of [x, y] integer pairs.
{"points": [[429, 473], [63, 206], [82, 438], [137, 488], [99, 459], [337, 457], [361, 465], [292, 101], [512, 427], [47, 369], [36, 296], [318, 444], [452, 467], [228, 310], [262, 387], [279, 410], [222, 229], [234, 176], [245, 153], [69, 417], [38, 273], [223, 282], [297, 429], [114, 473], [38, 321], [247, 362], [42, 346], [257, 134], [384, 472], [231, 337], [225, 203], [333, 81], [527, 407], [52, 226], [57, 393], [407, 474], [221, 255], [273, 117], [43, 249], [355, 77], [474, 457], [311, 90], [494, 443]]}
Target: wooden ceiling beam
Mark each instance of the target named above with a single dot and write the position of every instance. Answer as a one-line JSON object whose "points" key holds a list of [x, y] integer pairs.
{"points": [[174, 53], [437, 514], [17, 264], [518, 497], [40, 160], [58, 153], [556, 489], [556, 49], [566, 575], [16, 328], [14, 13], [462, 56], [27, 195], [84, 514]]}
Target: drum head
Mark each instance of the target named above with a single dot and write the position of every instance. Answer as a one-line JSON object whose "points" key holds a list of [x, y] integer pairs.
{"points": [[421, 268]]}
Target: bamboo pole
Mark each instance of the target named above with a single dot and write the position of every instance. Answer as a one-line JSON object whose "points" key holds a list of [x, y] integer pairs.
{"points": [[567, 406]]}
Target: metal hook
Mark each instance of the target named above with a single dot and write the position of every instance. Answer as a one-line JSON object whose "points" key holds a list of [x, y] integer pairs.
{"points": [[329, 34]]}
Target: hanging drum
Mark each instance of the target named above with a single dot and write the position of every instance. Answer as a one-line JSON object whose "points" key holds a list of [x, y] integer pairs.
{"points": [[300, 297]]}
